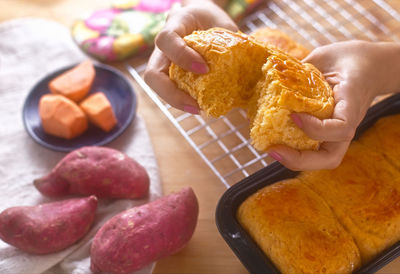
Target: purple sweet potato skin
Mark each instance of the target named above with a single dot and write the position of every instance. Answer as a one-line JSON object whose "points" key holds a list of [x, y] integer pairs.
{"points": [[141, 235], [49, 227], [100, 171]]}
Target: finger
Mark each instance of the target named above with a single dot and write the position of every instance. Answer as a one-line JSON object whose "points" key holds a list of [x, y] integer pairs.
{"points": [[328, 130], [333, 78], [156, 76], [321, 59], [230, 26], [315, 57], [329, 156], [170, 42], [342, 125]]}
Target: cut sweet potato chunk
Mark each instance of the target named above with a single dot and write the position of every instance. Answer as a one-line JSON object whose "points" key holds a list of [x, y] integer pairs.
{"points": [[99, 111], [61, 116], [74, 83]]}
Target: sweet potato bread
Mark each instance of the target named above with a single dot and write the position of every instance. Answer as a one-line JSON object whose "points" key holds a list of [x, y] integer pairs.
{"points": [[268, 82], [298, 230], [143, 234], [384, 137], [49, 227], [100, 171], [362, 194], [287, 86], [234, 60]]}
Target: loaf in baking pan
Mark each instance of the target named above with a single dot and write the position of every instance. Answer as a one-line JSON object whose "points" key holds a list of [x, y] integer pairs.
{"points": [[384, 137], [362, 195], [298, 230]]}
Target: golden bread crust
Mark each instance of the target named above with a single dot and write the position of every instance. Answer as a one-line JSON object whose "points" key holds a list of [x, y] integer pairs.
{"points": [[279, 39], [384, 137], [234, 61], [267, 82], [297, 230], [364, 193], [289, 86], [360, 199]]}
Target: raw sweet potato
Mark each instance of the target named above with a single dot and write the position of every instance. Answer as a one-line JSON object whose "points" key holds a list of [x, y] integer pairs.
{"points": [[49, 227], [61, 117], [74, 83], [99, 171], [99, 111], [143, 234]]}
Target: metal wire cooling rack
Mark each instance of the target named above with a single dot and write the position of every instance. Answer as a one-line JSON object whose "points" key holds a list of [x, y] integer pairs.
{"points": [[224, 143]]}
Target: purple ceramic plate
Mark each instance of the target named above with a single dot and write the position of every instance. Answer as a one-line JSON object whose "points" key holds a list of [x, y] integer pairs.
{"points": [[108, 80]]}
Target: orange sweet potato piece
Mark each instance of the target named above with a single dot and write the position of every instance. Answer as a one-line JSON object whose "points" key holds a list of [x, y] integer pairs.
{"points": [[99, 111], [49, 227], [99, 171], [74, 83], [61, 117], [143, 234]]}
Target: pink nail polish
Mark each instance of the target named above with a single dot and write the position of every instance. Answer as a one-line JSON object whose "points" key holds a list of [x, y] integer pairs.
{"points": [[275, 155], [296, 119], [199, 68], [191, 109]]}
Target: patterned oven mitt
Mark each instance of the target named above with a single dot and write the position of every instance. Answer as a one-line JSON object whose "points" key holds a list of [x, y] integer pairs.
{"points": [[129, 27]]}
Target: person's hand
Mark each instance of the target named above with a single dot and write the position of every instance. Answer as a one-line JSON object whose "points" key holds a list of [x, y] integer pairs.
{"points": [[357, 72], [170, 47]]}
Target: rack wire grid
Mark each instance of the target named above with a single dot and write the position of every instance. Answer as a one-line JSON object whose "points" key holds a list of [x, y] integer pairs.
{"points": [[223, 143]]}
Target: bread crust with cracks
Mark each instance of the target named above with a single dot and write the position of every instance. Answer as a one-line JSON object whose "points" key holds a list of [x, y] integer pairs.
{"points": [[262, 79]]}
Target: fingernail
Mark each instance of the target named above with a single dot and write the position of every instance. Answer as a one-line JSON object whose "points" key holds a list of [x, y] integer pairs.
{"points": [[296, 119], [199, 68], [191, 109], [275, 155]]}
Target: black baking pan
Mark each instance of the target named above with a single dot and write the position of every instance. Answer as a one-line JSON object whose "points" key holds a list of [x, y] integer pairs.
{"points": [[248, 252]]}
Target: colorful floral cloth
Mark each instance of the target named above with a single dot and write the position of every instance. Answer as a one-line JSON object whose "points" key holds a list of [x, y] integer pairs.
{"points": [[129, 27]]}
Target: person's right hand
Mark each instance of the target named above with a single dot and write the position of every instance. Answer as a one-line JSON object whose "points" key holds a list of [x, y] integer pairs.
{"points": [[357, 71], [170, 47]]}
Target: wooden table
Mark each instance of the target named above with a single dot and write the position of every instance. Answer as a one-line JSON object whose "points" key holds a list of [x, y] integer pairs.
{"points": [[179, 164]]}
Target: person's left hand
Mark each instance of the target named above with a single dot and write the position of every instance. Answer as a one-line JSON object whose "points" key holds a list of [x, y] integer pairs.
{"points": [[357, 71], [170, 47]]}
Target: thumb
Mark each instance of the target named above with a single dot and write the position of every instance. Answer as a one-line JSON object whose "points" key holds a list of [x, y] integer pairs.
{"points": [[176, 50]]}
